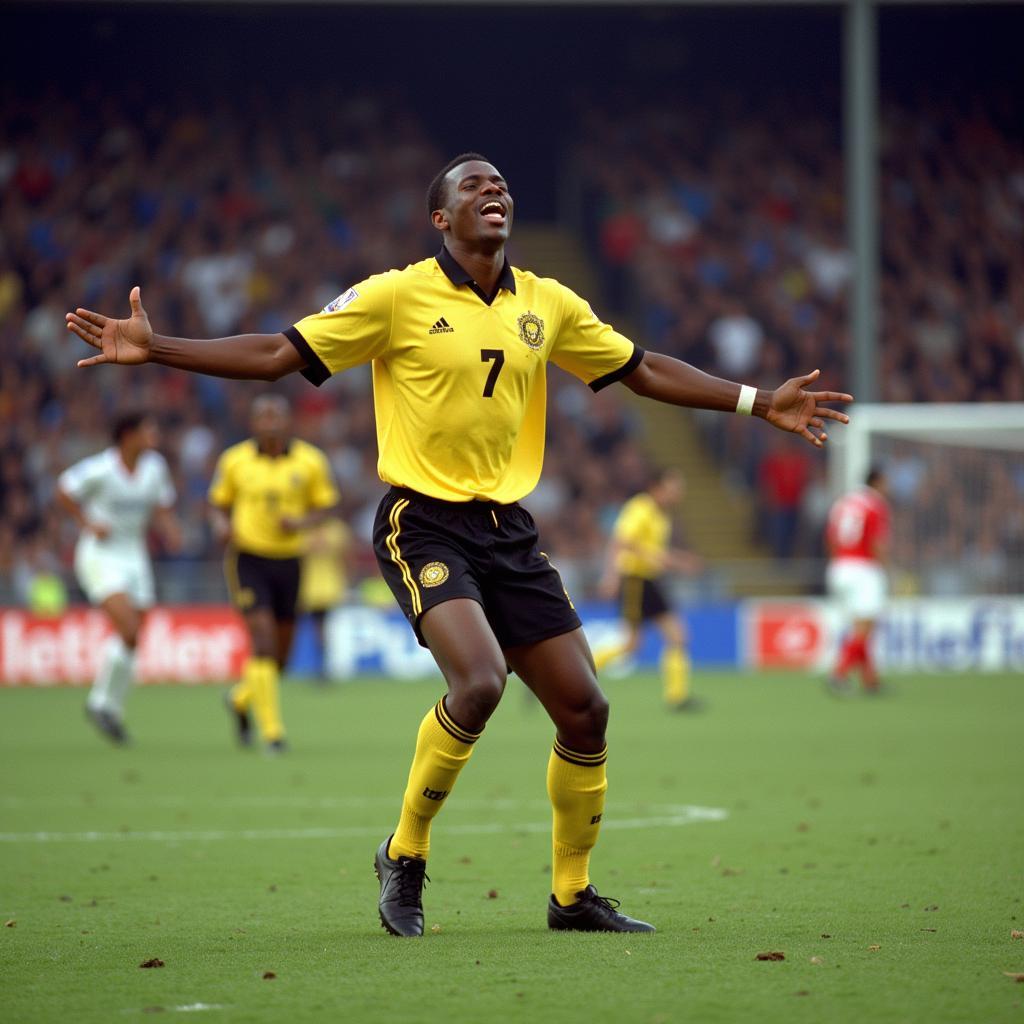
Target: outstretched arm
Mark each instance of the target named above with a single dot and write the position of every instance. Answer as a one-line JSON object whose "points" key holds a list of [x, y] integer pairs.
{"points": [[132, 341], [790, 407]]}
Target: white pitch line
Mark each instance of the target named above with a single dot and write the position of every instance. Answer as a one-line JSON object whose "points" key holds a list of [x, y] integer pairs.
{"points": [[685, 815]]}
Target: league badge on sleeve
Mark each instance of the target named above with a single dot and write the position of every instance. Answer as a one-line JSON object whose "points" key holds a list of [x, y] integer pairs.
{"points": [[335, 305]]}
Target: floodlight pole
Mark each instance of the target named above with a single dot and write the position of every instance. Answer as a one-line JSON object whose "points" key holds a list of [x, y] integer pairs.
{"points": [[860, 120]]}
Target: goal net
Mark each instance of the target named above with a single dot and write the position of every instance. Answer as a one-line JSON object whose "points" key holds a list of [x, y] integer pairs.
{"points": [[956, 484]]}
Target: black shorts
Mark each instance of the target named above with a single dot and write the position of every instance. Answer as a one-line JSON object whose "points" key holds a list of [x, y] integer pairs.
{"points": [[431, 551], [641, 599], [258, 582]]}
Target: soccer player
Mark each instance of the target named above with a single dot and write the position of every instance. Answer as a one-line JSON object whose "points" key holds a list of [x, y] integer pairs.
{"points": [[857, 535], [266, 492], [639, 557], [113, 496], [459, 345]]}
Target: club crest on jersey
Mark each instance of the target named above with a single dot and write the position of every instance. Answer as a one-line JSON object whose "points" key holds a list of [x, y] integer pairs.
{"points": [[433, 574], [531, 330], [341, 301]]}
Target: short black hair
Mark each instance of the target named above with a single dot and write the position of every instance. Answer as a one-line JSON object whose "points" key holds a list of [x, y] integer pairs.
{"points": [[127, 422], [435, 193], [875, 473], [271, 398]]}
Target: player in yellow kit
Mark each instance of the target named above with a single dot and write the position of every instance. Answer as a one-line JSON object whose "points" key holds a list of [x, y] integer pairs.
{"points": [[639, 558], [459, 345], [266, 493]]}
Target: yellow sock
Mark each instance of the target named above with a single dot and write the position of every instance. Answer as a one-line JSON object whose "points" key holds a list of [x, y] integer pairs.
{"points": [[262, 675], [675, 671], [241, 693], [604, 657], [442, 750], [576, 786]]}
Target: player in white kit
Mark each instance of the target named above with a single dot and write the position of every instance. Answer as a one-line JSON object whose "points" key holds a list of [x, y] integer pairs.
{"points": [[113, 496]]}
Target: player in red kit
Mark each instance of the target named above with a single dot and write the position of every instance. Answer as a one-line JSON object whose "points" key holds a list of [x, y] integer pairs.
{"points": [[858, 540]]}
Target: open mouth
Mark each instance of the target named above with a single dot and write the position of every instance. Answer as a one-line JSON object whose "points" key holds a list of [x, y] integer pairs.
{"points": [[493, 212]]}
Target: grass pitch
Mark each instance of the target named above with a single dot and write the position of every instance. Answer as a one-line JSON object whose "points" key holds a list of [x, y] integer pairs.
{"points": [[878, 844]]}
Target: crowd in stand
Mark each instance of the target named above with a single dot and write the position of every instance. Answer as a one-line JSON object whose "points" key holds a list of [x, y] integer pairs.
{"points": [[721, 227], [231, 226]]}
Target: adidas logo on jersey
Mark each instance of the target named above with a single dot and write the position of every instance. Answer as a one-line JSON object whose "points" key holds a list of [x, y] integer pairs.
{"points": [[441, 327]]}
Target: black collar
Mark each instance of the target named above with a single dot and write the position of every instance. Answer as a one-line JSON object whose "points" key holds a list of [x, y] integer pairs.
{"points": [[274, 455], [457, 274]]}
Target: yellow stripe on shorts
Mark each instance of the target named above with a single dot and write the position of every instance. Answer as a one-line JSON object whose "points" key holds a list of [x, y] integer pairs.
{"points": [[231, 573], [633, 598], [396, 555]]}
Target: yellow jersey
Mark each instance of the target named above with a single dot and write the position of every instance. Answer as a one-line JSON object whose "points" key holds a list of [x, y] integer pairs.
{"points": [[644, 526], [261, 489], [459, 378]]}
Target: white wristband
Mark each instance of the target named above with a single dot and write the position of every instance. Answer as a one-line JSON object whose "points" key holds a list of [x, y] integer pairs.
{"points": [[745, 403]]}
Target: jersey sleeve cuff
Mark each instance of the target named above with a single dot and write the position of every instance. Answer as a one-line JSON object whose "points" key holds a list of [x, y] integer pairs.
{"points": [[315, 371], [623, 371]]}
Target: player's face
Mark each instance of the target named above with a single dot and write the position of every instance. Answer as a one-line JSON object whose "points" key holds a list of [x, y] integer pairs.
{"points": [[671, 490], [478, 207], [148, 435], [271, 423]]}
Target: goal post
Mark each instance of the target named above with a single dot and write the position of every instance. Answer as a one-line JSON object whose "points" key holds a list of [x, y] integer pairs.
{"points": [[956, 480]]}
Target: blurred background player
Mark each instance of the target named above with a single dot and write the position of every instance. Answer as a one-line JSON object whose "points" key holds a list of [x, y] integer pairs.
{"points": [[638, 558], [113, 496], [267, 491], [858, 538], [324, 583]]}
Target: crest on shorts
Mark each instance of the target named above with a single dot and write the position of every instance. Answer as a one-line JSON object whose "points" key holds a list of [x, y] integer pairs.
{"points": [[433, 574], [531, 330]]}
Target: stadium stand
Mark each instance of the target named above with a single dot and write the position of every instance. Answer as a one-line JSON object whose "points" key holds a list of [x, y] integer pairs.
{"points": [[717, 226]]}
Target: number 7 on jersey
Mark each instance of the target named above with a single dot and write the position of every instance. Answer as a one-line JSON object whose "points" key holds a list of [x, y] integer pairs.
{"points": [[486, 356]]}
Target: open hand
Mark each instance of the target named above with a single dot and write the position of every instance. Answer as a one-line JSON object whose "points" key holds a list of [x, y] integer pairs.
{"points": [[795, 409], [119, 341]]}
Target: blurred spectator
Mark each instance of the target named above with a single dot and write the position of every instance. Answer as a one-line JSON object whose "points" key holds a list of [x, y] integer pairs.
{"points": [[37, 576], [736, 339], [782, 478]]}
